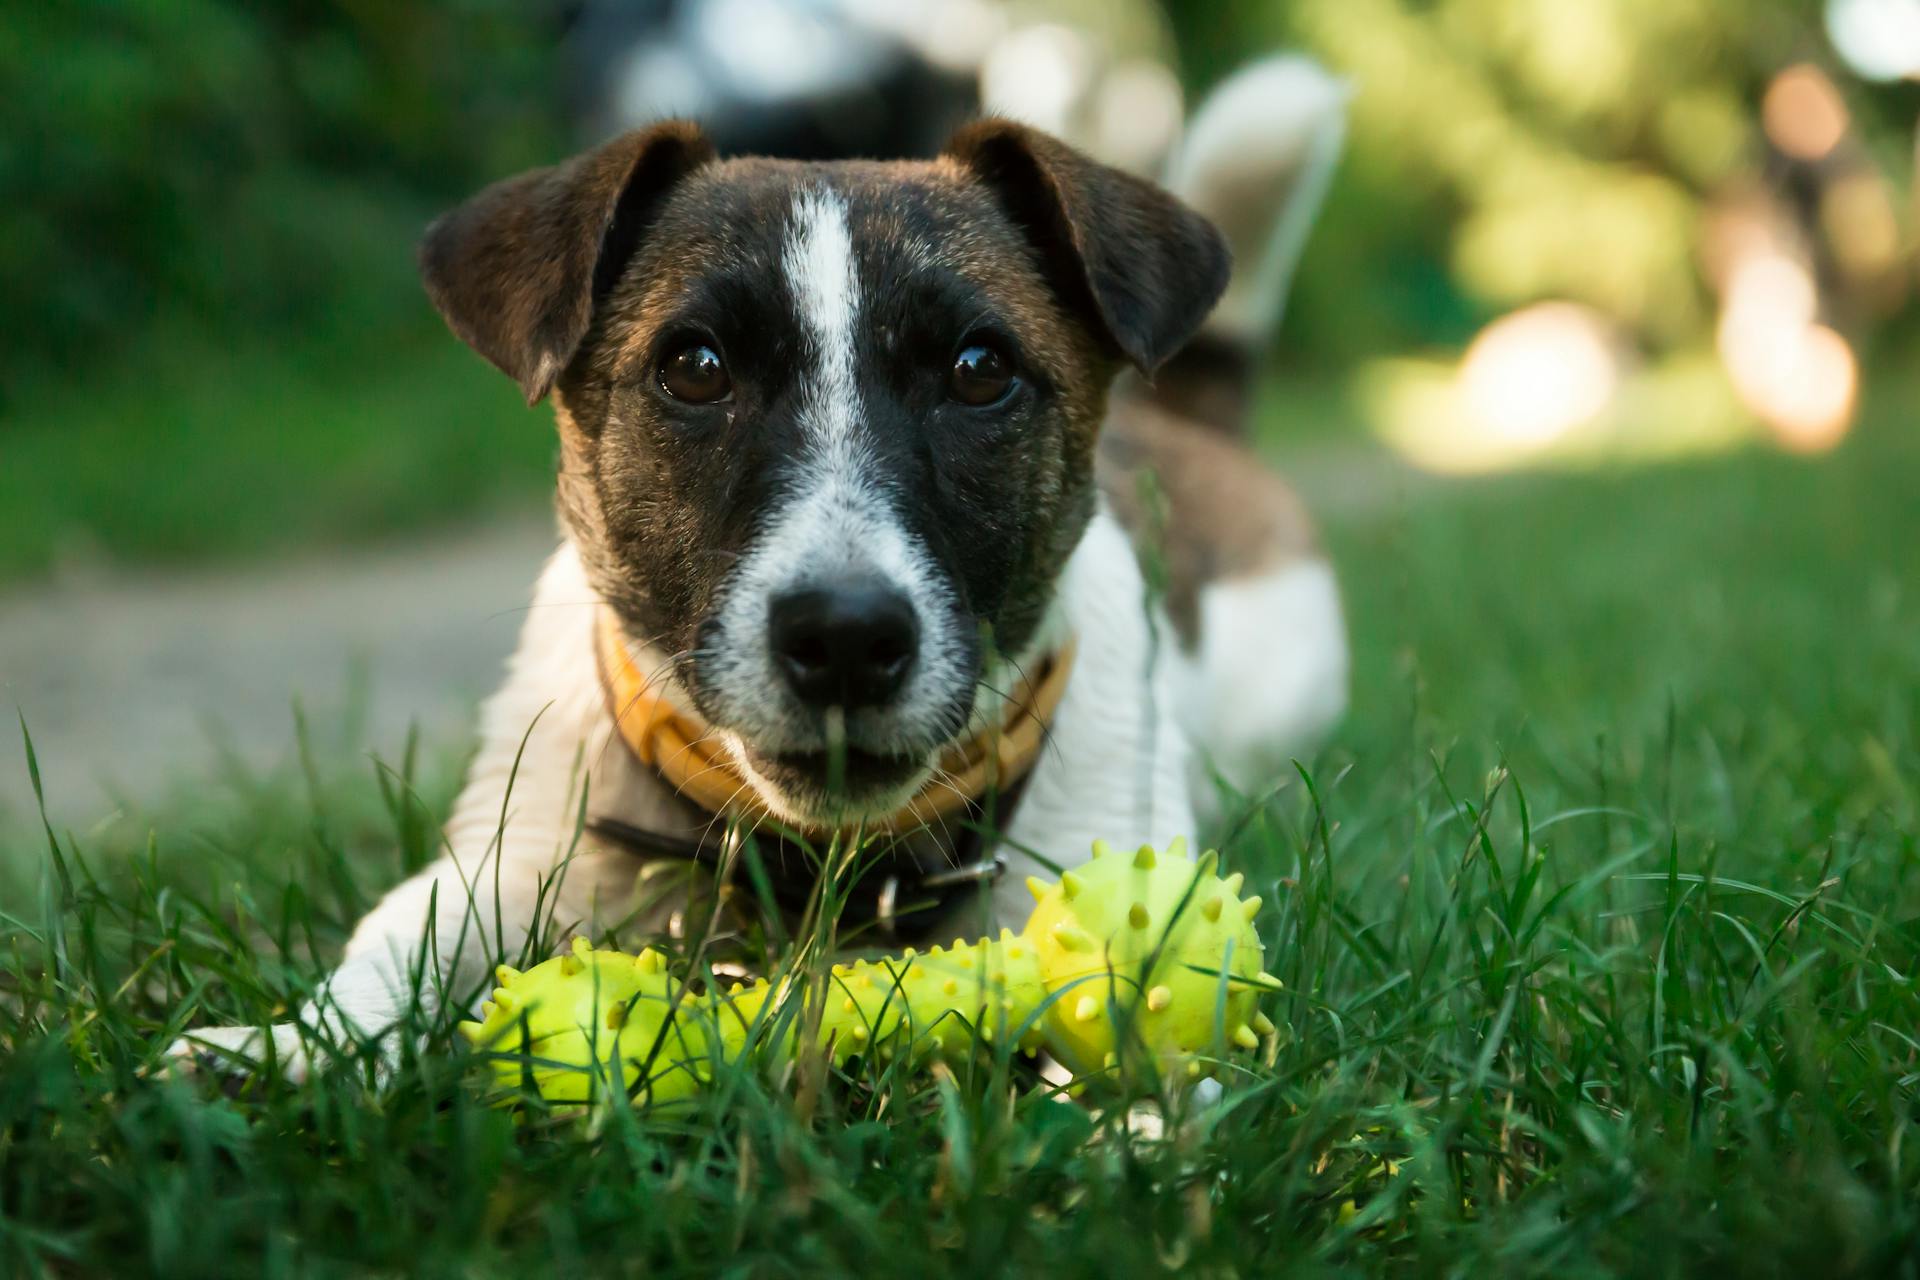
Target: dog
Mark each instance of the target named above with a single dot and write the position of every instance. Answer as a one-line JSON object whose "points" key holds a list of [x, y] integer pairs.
{"points": [[873, 477]]}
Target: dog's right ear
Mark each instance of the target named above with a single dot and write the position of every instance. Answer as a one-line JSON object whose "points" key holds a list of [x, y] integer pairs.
{"points": [[518, 270], [1143, 267]]}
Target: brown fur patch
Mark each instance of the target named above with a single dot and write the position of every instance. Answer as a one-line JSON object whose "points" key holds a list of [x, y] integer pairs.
{"points": [[1203, 504], [1210, 381]]}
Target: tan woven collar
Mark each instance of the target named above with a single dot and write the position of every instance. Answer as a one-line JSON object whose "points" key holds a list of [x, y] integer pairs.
{"points": [[682, 748]]}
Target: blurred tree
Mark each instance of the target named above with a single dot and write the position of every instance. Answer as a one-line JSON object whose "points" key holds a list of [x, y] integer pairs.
{"points": [[255, 164], [244, 162], [1505, 151]]}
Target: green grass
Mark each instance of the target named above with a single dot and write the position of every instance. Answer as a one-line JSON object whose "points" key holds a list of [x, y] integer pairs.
{"points": [[194, 446], [1597, 925]]}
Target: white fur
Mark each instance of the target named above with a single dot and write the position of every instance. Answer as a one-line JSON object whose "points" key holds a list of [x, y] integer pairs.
{"points": [[1270, 677], [1115, 762], [819, 266]]}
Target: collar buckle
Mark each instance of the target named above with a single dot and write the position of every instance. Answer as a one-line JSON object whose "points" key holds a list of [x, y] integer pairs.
{"points": [[945, 884]]}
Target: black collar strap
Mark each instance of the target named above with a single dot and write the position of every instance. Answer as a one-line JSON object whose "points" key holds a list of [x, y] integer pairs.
{"points": [[898, 899]]}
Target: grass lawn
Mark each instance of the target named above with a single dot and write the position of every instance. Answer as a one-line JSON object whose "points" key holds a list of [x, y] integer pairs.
{"points": [[1599, 942], [193, 446]]}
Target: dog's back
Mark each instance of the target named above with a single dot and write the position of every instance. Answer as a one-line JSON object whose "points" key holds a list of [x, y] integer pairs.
{"points": [[1261, 649]]}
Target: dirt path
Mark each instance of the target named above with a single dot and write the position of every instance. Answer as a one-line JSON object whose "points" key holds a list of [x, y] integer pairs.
{"points": [[134, 680]]}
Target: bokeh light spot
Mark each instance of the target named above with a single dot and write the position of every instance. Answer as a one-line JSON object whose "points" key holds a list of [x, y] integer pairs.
{"points": [[1803, 114], [1037, 74], [1797, 376], [1880, 39], [1532, 376]]}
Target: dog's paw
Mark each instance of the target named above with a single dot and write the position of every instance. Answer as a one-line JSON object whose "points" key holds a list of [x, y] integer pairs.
{"points": [[296, 1050], [242, 1052]]}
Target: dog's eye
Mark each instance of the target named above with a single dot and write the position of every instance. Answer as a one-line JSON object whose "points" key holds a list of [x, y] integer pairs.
{"points": [[981, 375], [694, 373]]}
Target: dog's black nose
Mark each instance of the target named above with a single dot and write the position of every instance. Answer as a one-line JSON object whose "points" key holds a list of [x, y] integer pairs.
{"points": [[845, 644]]}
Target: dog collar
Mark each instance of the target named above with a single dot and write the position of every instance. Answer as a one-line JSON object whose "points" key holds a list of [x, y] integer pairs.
{"points": [[679, 745]]}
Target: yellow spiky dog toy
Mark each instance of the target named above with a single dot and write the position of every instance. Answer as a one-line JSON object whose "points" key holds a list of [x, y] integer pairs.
{"points": [[1128, 960]]}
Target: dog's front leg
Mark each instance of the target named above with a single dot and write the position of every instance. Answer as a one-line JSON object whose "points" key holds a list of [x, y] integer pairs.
{"points": [[514, 869], [511, 870]]}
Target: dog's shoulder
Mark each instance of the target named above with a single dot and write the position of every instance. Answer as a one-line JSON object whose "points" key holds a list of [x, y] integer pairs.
{"points": [[1200, 503]]}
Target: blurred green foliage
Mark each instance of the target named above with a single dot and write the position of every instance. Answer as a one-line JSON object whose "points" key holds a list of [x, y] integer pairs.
{"points": [[1506, 151], [245, 164], [200, 196], [253, 164]]}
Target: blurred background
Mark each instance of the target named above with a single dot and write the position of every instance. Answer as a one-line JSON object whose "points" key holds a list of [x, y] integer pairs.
{"points": [[241, 459]]}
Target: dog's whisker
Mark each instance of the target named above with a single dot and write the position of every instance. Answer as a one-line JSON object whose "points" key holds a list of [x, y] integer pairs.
{"points": [[1046, 726], [724, 813]]}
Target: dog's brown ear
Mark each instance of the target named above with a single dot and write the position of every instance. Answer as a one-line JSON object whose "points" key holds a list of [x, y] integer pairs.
{"points": [[1146, 268], [518, 269]]}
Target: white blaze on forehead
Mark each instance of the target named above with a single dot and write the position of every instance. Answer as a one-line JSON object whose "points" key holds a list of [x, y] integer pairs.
{"points": [[820, 270]]}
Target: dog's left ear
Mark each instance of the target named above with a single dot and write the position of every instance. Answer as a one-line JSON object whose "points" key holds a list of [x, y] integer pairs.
{"points": [[1142, 266], [518, 270]]}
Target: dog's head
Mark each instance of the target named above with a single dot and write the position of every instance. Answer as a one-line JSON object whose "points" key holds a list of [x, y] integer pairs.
{"points": [[826, 430]]}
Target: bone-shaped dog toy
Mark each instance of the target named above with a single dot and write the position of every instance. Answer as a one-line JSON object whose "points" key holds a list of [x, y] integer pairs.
{"points": [[1130, 959]]}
